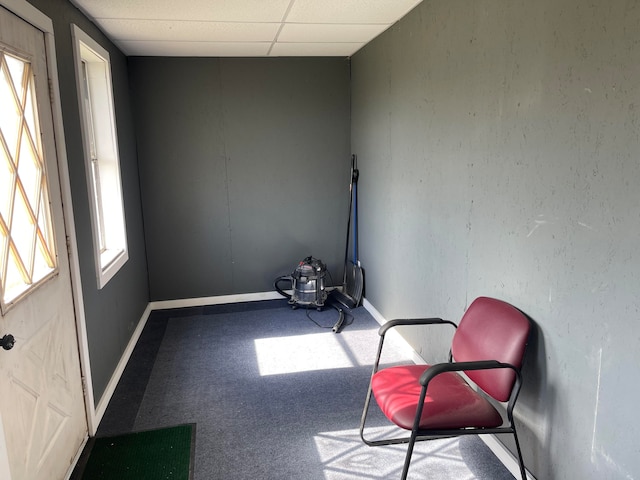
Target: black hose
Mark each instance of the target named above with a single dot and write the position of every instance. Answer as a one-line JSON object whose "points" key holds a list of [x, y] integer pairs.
{"points": [[284, 278]]}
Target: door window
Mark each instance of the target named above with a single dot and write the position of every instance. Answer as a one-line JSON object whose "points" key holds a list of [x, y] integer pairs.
{"points": [[27, 250]]}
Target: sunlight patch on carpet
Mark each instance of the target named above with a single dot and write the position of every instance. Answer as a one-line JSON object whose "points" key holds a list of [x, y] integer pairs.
{"points": [[300, 353], [345, 456], [322, 351]]}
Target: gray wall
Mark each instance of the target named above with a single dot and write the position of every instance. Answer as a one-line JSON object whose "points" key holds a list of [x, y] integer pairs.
{"points": [[113, 312], [498, 143], [244, 169]]}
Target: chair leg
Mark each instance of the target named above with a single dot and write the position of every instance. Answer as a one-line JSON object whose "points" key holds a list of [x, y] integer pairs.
{"points": [[364, 415], [407, 458], [369, 392], [523, 472]]}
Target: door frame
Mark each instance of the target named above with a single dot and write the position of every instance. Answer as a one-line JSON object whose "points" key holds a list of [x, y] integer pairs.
{"points": [[35, 17]]}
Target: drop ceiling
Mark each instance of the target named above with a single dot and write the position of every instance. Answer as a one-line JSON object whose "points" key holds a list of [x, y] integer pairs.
{"points": [[243, 28]]}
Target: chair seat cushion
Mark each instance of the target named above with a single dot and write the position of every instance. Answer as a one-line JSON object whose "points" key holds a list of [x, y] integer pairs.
{"points": [[450, 402]]}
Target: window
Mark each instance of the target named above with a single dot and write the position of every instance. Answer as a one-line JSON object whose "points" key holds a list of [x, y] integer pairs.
{"points": [[27, 247], [102, 164]]}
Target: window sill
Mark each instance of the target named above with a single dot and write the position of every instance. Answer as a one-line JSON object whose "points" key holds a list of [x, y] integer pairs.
{"points": [[111, 261]]}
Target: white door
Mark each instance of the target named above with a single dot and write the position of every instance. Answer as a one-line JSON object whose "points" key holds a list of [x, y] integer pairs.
{"points": [[41, 399]]}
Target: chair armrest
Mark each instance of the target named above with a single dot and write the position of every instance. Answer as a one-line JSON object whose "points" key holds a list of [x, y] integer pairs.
{"points": [[413, 321], [439, 368]]}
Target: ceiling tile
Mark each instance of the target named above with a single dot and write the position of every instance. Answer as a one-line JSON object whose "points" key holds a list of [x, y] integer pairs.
{"points": [[190, 30], [315, 49], [351, 11], [210, 10], [195, 49], [296, 32]]}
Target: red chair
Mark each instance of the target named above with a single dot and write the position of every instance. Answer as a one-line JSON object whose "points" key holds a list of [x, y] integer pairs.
{"points": [[435, 401]]}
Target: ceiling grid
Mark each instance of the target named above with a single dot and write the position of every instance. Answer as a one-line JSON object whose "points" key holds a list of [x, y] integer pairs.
{"points": [[244, 28]]}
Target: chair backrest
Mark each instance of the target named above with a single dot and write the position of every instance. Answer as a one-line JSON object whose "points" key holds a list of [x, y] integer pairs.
{"points": [[492, 329]]}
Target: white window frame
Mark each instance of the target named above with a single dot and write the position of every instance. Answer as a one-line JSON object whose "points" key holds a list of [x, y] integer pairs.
{"points": [[102, 162]]}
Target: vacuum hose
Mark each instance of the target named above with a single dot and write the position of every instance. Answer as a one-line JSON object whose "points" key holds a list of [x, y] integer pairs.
{"points": [[284, 278]]}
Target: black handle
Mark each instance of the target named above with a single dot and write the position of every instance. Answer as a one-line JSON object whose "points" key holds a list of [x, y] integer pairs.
{"points": [[7, 342], [355, 173]]}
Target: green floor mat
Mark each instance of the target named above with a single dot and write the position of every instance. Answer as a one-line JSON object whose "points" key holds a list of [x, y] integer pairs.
{"points": [[151, 455]]}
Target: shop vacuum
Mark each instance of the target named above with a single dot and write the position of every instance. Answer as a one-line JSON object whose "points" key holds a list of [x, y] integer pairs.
{"points": [[308, 280], [308, 287], [307, 284]]}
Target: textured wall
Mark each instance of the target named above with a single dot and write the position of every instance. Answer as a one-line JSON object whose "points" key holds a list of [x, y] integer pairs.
{"points": [[244, 167], [499, 144], [113, 312]]}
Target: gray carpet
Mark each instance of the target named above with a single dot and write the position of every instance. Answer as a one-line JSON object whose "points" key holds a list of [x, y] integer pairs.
{"points": [[274, 396]]}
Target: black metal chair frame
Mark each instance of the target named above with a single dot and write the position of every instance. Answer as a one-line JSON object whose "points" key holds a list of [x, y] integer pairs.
{"points": [[418, 434]]}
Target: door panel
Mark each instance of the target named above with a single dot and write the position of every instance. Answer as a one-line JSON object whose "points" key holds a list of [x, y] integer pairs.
{"points": [[41, 401]]}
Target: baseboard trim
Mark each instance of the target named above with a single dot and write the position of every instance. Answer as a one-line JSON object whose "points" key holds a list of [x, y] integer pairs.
{"points": [[115, 378], [505, 456], [202, 301], [496, 446]]}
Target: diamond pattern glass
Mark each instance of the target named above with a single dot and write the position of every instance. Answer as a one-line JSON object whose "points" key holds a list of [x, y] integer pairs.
{"points": [[26, 237]]}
